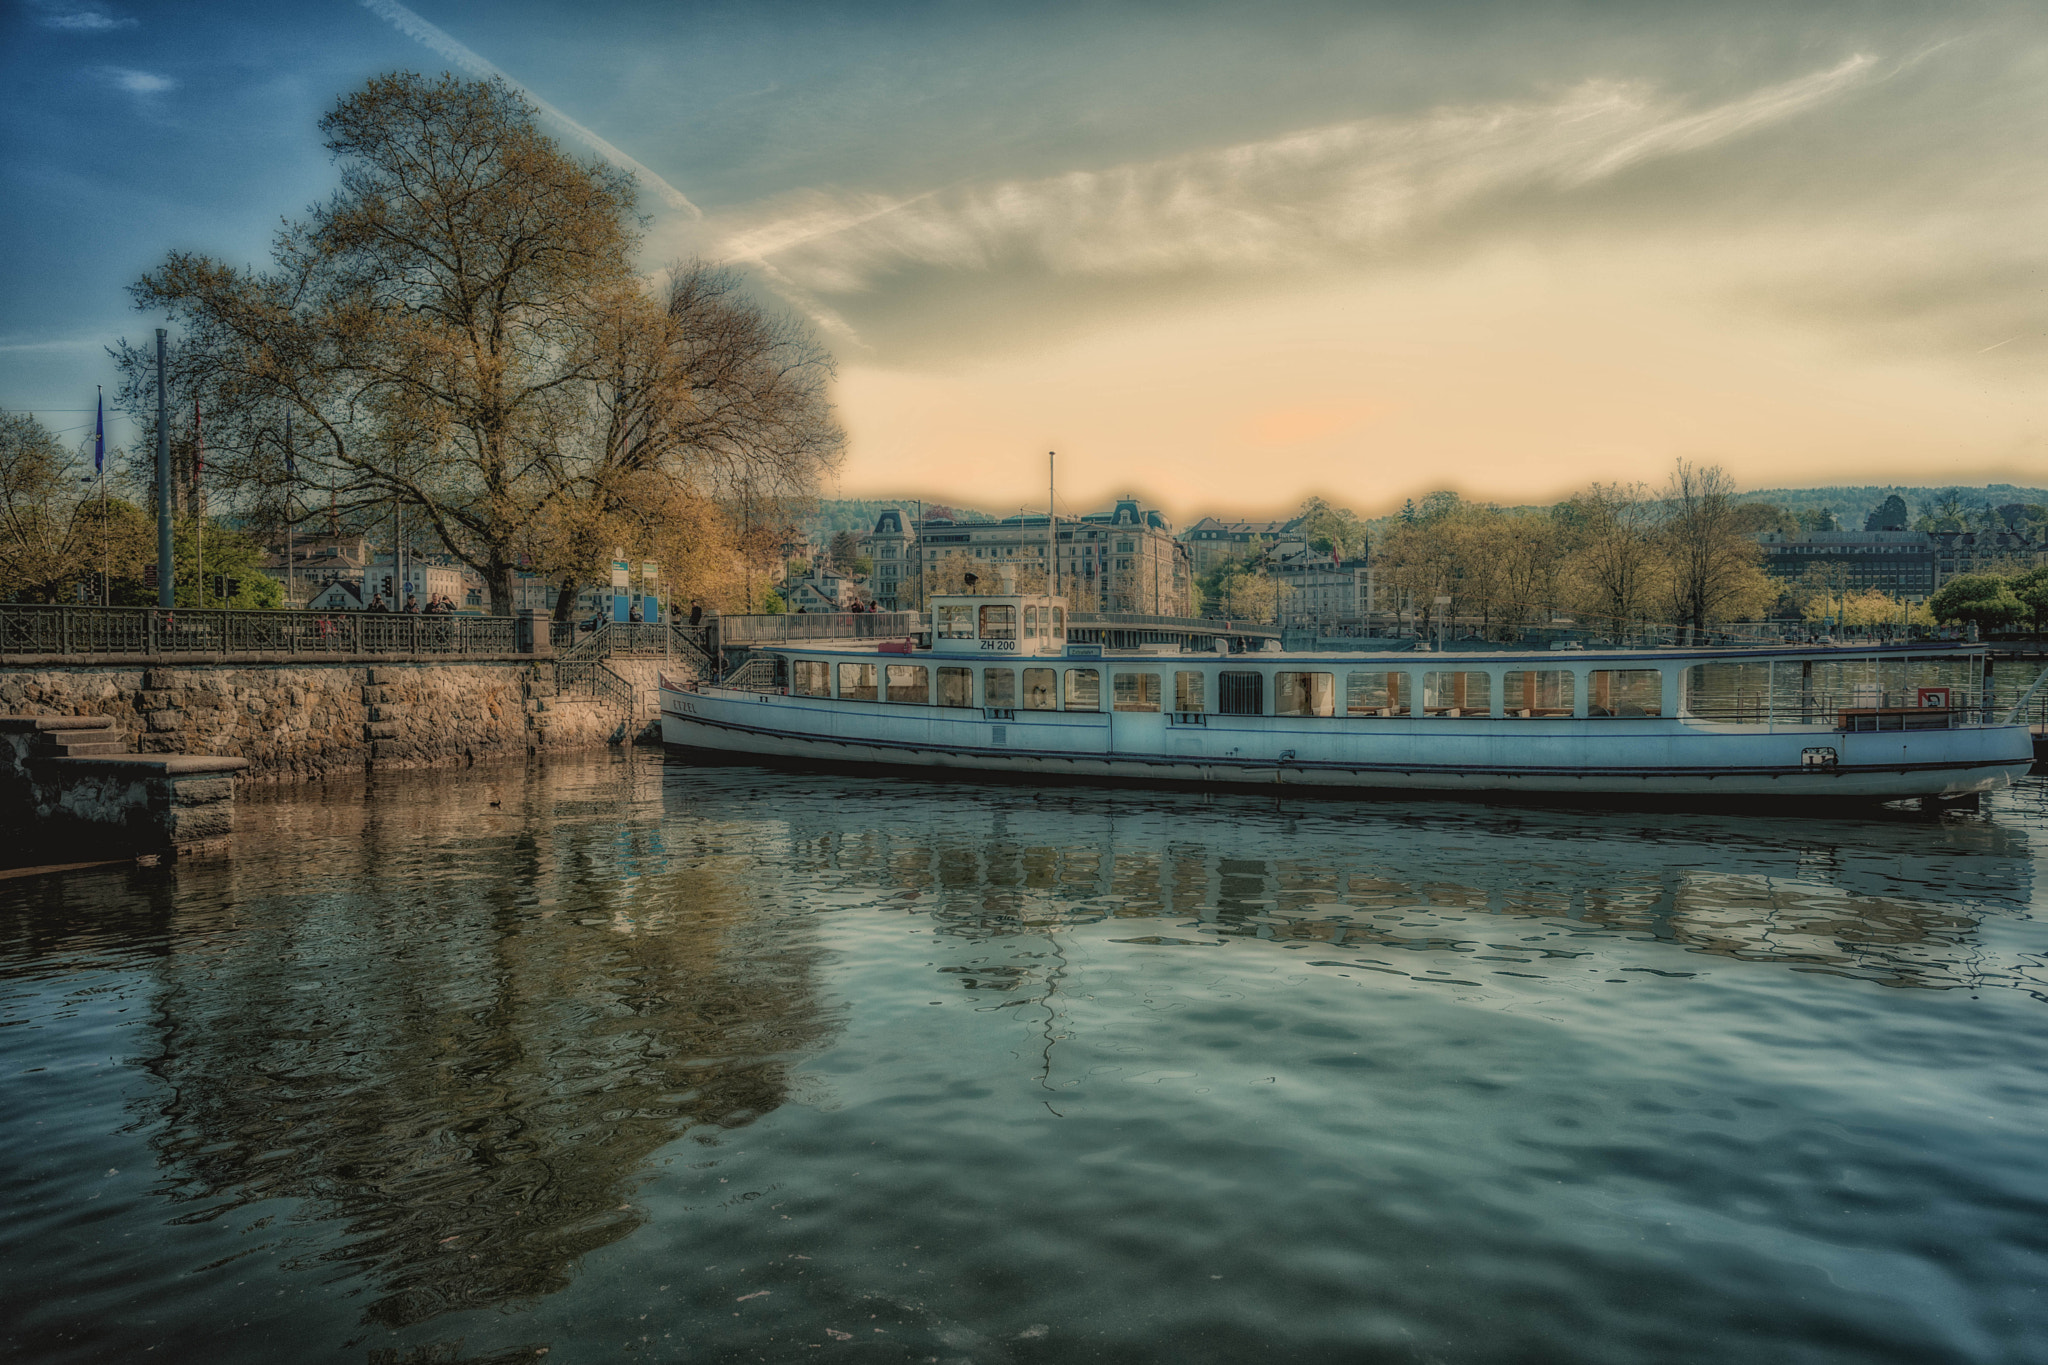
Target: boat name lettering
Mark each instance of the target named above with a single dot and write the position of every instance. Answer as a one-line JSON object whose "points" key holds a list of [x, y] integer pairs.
{"points": [[999, 646]]}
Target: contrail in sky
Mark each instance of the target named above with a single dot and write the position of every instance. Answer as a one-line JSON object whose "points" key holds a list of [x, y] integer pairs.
{"points": [[440, 41]]}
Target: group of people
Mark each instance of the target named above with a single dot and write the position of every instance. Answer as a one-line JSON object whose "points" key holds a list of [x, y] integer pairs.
{"points": [[440, 604]]}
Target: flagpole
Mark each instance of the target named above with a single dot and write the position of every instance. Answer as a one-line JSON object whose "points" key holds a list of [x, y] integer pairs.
{"points": [[291, 475], [99, 460], [166, 561], [199, 501]]}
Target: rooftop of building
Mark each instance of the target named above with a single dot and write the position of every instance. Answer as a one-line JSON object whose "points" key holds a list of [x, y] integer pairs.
{"points": [[1125, 512]]}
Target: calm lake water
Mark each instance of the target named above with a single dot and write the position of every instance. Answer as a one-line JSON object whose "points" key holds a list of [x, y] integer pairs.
{"points": [[623, 1059]]}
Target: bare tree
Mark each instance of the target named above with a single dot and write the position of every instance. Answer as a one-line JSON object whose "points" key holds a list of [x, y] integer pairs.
{"points": [[1711, 562], [1615, 561], [459, 331]]}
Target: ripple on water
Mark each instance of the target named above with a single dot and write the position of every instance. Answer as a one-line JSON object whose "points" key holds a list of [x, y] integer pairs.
{"points": [[723, 1063]]}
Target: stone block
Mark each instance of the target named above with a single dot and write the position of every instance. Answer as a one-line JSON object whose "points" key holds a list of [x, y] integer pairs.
{"points": [[384, 713], [210, 821], [382, 729], [390, 748], [200, 791], [372, 695], [159, 679], [166, 720]]}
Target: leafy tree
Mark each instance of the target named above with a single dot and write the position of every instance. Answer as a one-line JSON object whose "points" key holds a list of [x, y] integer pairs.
{"points": [[2031, 588], [233, 568], [1438, 505], [1890, 515], [1246, 594], [1752, 518], [459, 331], [56, 532], [1986, 600], [1332, 530]]}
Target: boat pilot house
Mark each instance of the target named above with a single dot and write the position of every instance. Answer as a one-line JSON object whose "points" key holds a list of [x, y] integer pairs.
{"points": [[998, 685]]}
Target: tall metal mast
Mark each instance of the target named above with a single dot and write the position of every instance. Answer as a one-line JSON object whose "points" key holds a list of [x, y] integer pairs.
{"points": [[164, 566], [1052, 518]]}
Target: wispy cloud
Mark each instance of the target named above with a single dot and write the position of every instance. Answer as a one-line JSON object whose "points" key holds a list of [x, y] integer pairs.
{"points": [[1308, 196], [77, 16], [135, 82], [444, 44]]}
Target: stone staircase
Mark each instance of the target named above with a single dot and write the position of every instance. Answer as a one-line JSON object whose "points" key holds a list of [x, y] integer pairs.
{"points": [[70, 782], [77, 737]]}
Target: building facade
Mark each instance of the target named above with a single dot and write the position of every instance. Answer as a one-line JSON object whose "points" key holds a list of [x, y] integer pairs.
{"points": [[1125, 559], [1317, 587], [1908, 564], [1211, 541]]}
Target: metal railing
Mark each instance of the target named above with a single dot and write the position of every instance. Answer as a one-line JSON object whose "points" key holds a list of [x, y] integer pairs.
{"points": [[614, 637], [835, 625], [592, 678], [34, 629], [755, 675], [1184, 625]]}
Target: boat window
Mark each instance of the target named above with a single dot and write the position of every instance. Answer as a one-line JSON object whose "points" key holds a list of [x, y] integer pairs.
{"points": [[999, 623], [1188, 692], [1137, 692], [1457, 694], [1538, 692], [810, 677], [1059, 623], [956, 686], [1626, 692], [956, 623], [1031, 623], [1041, 689], [1241, 694], [1304, 694], [909, 683], [999, 687], [1084, 689], [1376, 694], [856, 682]]}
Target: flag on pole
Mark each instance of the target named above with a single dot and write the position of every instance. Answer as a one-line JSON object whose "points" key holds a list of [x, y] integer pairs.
{"points": [[198, 444], [99, 434], [291, 466]]}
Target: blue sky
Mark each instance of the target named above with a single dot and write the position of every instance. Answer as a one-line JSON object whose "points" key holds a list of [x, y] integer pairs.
{"points": [[1224, 255]]}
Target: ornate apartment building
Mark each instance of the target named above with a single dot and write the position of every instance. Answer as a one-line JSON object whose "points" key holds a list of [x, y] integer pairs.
{"points": [[1125, 559]]}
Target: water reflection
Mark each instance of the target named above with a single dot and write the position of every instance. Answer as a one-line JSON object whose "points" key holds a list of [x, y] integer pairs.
{"points": [[467, 1049], [430, 1045], [1889, 899]]}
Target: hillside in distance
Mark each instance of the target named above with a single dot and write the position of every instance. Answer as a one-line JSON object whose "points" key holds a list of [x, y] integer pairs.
{"points": [[1851, 502]]}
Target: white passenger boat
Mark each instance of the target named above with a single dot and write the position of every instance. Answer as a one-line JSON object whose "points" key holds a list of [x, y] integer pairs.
{"points": [[998, 687]]}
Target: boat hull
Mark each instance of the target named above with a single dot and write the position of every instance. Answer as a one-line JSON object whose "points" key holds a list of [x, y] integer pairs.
{"points": [[1610, 759]]}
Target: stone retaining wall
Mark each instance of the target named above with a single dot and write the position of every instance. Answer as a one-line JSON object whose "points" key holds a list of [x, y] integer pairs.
{"points": [[302, 720]]}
